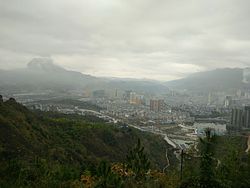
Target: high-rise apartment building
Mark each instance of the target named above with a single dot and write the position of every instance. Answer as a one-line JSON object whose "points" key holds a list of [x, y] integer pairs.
{"points": [[240, 117], [228, 101], [237, 118], [247, 117], [156, 105]]}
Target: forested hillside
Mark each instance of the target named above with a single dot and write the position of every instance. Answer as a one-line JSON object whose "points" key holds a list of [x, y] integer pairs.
{"points": [[66, 144]]}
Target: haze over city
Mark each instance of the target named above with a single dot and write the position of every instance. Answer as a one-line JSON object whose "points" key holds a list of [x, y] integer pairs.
{"points": [[161, 40]]}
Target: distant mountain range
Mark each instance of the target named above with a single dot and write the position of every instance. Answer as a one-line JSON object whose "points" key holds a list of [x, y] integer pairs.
{"points": [[42, 74], [215, 80]]}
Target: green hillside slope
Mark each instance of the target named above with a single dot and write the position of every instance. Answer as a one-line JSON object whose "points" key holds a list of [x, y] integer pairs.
{"points": [[69, 142]]}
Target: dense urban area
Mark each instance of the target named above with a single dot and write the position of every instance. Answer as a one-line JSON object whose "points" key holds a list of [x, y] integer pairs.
{"points": [[181, 117]]}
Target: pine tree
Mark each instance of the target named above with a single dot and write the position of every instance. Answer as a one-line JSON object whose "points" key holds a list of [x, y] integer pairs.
{"points": [[106, 177], [138, 161], [207, 176]]}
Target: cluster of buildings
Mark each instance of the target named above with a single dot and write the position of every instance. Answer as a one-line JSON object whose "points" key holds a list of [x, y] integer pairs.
{"points": [[130, 108], [136, 99], [44, 107], [240, 117], [156, 105]]}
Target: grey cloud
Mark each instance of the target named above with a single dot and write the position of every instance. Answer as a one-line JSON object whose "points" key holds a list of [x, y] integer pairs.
{"points": [[161, 39]]}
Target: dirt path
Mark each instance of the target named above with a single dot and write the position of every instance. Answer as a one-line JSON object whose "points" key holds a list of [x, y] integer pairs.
{"points": [[248, 144], [168, 162]]}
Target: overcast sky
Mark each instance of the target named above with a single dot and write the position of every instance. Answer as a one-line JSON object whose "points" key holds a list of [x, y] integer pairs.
{"points": [[155, 39]]}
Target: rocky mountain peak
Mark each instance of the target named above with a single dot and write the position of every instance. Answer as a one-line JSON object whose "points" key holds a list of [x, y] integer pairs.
{"points": [[44, 64]]}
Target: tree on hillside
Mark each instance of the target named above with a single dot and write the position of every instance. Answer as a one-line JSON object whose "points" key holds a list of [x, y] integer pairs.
{"points": [[138, 161], [207, 164]]}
